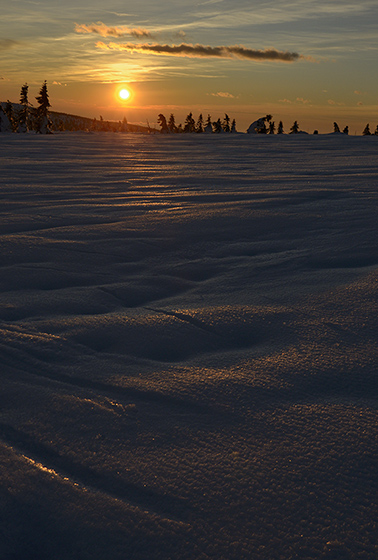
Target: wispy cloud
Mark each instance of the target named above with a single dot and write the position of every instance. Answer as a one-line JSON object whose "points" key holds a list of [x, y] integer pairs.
{"points": [[204, 51], [280, 11], [337, 103], [6, 44], [104, 30], [297, 100], [224, 94]]}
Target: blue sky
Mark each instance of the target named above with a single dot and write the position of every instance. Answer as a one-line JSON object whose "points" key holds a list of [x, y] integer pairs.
{"points": [[85, 52]]}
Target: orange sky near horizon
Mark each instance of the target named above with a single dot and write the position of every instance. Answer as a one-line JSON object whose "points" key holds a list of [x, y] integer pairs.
{"points": [[306, 62]]}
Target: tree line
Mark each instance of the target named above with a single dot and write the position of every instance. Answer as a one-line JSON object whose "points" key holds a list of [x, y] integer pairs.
{"points": [[200, 125], [264, 125], [27, 117]]}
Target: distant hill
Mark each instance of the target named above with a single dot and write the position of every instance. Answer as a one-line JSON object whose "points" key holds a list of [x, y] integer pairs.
{"points": [[65, 121]]}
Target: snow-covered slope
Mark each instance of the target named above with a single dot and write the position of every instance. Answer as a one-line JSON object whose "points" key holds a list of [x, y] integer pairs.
{"points": [[188, 347]]}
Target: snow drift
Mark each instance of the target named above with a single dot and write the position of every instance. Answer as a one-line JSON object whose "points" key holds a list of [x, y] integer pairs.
{"points": [[188, 346]]}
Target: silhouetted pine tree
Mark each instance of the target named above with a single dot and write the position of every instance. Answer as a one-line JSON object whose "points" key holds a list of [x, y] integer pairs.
{"points": [[43, 123], [294, 128], [190, 125], [209, 126], [199, 125], [366, 131], [280, 128], [346, 130], [162, 121], [23, 114], [5, 125], [226, 123], [233, 126], [172, 123], [8, 110], [217, 126], [376, 131], [124, 125], [336, 127], [272, 127]]}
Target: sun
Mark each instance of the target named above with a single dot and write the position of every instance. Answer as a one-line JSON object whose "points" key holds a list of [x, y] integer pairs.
{"points": [[124, 94]]}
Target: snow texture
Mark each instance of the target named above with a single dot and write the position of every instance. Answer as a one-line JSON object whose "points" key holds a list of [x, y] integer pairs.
{"points": [[188, 347]]}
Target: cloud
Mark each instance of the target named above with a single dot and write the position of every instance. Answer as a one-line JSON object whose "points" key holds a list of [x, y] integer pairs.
{"points": [[6, 44], [301, 100], [204, 51], [181, 34], [332, 102], [100, 28], [223, 94]]}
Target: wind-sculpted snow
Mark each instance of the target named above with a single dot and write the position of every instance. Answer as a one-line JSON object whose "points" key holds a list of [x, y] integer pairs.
{"points": [[188, 348]]}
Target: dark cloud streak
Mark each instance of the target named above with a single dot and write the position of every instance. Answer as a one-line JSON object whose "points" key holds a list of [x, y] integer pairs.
{"points": [[204, 51]]}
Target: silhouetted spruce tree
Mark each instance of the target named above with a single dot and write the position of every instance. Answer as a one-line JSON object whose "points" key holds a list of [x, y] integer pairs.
{"points": [[217, 126], [226, 123], [23, 114], [190, 125], [336, 127], [5, 125], [8, 110], [263, 129], [124, 125], [172, 123], [346, 130], [272, 127], [43, 123], [280, 128], [233, 126], [162, 121], [199, 125], [376, 131], [366, 131], [208, 126], [294, 128]]}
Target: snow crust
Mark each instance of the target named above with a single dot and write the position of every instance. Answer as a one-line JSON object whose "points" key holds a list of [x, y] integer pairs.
{"points": [[188, 347]]}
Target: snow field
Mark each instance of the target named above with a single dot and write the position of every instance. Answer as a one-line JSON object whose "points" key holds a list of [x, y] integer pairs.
{"points": [[188, 347]]}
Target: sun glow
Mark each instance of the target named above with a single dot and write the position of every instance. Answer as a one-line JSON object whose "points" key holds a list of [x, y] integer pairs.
{"points": [[124, 94]]}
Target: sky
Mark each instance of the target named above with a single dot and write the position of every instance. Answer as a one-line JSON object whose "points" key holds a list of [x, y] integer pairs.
{"points": [[314, 62]]}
